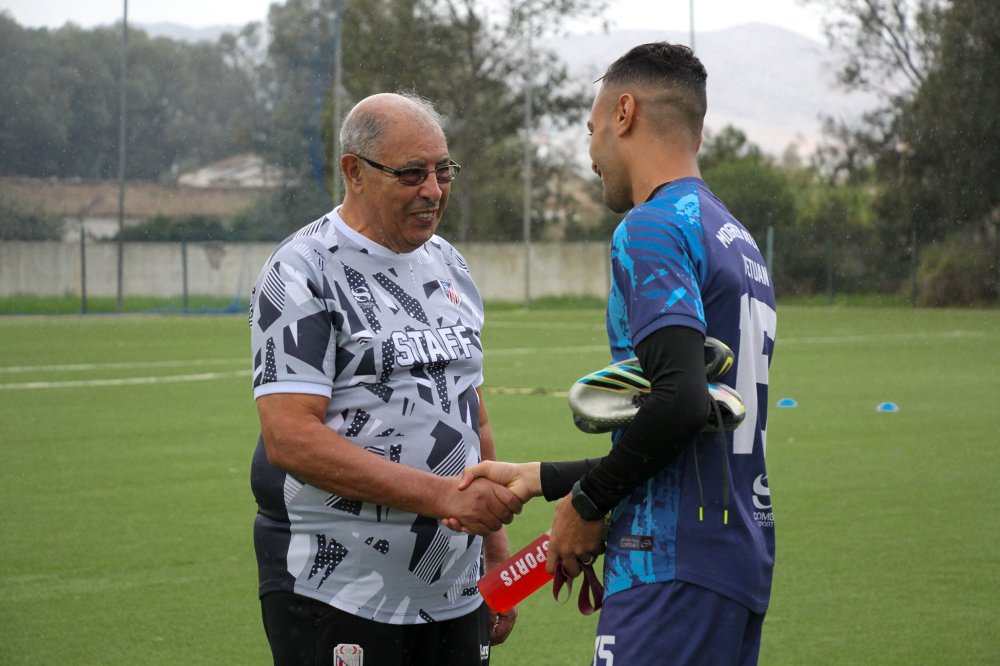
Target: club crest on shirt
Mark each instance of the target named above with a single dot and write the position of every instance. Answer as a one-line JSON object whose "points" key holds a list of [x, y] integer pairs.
{"points": [[348, 654], [448, 288]]}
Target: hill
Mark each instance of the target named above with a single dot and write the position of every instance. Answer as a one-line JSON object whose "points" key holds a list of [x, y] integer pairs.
{"points": [[774, 84]]}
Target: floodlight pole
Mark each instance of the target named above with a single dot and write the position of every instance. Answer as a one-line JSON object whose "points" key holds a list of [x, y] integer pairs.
{"points": [[691, 24], [338, 81], [121, 158], [526, 171]]}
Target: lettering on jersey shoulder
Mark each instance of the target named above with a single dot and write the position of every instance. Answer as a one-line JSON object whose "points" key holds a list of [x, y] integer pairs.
{"points": [[756, 271], [730, 232], [641, 542], [430, 345]]}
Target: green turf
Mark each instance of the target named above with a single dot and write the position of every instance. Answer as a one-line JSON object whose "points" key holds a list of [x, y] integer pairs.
{"points": [[128, 509], [69, 304]]}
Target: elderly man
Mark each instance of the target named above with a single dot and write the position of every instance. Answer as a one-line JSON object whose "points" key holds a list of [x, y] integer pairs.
{"points": [[367, 380]]}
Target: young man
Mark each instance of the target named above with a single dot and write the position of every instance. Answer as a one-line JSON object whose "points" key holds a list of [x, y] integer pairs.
{"points": [[367, 373], [690, 549]]}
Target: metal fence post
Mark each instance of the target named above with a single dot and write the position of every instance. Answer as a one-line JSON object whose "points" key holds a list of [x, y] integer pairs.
{"points": [[184, 272], [83, 269]]}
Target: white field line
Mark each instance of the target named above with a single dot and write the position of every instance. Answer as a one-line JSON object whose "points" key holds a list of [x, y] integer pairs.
{"points": [[127, 381], [519, 351], [134, 365], [514, 351], [877, 337], [597, 326]]}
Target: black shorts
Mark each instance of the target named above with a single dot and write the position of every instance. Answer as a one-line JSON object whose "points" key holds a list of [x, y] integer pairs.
{"points": [[306, 632]]}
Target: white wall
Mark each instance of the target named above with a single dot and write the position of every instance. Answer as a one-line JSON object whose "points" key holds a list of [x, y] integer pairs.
{"points": [[229, 269]]}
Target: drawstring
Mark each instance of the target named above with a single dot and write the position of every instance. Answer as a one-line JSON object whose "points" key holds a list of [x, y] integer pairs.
{"points": [[726, 471], [697, 475]]}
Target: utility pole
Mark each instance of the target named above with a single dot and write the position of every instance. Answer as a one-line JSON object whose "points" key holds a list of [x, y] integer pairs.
{"points": [[121, 159], [338, 80], [526, 171], [691, 24]]}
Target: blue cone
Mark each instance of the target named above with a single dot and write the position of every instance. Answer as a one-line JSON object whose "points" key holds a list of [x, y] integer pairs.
{"points": [[787, 402], [887, 407]]}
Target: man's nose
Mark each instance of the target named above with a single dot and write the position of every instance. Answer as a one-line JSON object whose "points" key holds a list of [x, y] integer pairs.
{"points": [[431, 188]]}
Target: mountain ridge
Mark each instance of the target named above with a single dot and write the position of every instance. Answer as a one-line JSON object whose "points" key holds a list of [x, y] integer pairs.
{"points": [[770, 82]]}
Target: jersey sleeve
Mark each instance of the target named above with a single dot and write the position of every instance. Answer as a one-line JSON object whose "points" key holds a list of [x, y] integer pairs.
{"points": [[657, 256], [292, 331]]}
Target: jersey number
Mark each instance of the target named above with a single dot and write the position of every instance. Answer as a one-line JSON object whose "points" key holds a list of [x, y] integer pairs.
{"points": [[757, 323], [602, 655]]}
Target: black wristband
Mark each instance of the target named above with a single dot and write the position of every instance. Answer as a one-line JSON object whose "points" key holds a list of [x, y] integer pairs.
{"points": [[584, 505]]}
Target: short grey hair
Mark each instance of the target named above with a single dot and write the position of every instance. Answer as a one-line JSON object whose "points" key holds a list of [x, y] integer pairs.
{"points": [[362, 130]]}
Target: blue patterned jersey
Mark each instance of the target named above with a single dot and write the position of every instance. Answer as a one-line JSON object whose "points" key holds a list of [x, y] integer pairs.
{"points": [[681, 259]]}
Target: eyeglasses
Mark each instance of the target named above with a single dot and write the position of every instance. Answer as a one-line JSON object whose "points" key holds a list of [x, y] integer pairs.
{"points": [[415, 175]]}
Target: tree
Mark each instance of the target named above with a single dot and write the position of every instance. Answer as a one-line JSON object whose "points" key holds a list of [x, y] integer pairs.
{"points": [[955, 128], [821, 233], [929, 147], [18, 222], [469, 59], [163, 229], [59, 112], [754, 189], [888, 43]]}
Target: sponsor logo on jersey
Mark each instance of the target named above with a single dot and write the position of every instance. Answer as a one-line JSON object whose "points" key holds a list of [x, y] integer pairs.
{"points": [[636, 542], [363, 296], [762, 502], [430, 345]]}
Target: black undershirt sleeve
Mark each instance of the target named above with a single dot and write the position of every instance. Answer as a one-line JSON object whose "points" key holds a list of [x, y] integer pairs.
{"points": [[673, 360], [559, 477]]}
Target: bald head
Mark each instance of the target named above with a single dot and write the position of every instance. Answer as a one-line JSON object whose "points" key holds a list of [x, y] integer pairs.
{"points": [[367, 124]]}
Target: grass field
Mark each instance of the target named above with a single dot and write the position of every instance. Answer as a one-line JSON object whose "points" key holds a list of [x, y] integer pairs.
{"points": [[126, 445]]}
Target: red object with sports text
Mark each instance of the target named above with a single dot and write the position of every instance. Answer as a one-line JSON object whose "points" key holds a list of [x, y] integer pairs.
{"points": [[520, 575]]}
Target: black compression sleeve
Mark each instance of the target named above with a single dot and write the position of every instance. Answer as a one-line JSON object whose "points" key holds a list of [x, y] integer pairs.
{"points": [[558, 477], [673, 360]]}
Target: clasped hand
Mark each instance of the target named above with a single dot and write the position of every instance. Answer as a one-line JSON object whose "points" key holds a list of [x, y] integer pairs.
{"points": [[518, 479], [479, 505], [572, 540]]}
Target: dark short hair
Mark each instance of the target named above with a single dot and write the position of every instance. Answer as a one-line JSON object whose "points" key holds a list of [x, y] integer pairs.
{"points": [[670, 69]]}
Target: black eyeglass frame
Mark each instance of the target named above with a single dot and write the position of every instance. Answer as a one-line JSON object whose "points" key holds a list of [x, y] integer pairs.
{"points": [[403, 175]]}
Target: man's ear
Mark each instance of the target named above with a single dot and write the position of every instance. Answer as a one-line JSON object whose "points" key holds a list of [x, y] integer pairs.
{"points": [[351, 166], [625, 108]]}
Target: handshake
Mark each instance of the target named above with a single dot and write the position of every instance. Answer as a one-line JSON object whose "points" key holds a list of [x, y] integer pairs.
{"points": [[492, 493]]}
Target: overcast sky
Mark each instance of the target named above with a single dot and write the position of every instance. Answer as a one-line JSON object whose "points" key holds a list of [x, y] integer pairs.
{"points": [[622, 14]]}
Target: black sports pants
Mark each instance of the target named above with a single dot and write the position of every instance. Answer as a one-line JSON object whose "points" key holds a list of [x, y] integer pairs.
{"points": [[305, 632]]}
